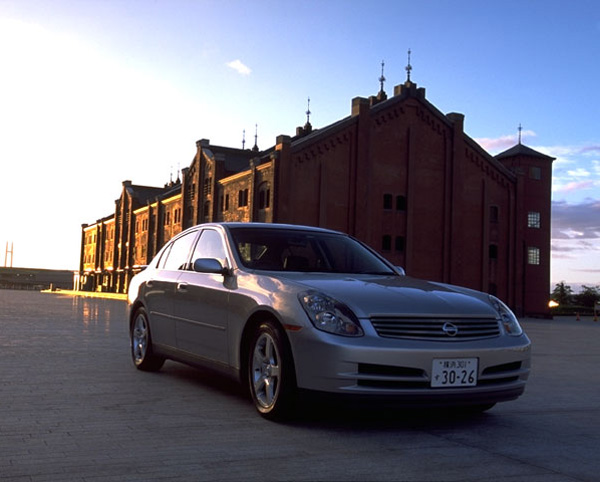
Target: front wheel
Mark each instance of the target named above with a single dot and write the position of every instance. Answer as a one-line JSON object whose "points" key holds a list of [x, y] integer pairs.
{"points": [[141, 344], [271, 376]]}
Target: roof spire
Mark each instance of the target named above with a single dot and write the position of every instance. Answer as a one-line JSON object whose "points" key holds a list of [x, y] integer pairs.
{"points": [[308, 125], [255, 148], [408, 67], [243, 139], [520, 130], [382, 78]]}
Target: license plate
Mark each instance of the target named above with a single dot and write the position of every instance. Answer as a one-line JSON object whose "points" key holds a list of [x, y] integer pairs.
{"points": [[454, 372]]}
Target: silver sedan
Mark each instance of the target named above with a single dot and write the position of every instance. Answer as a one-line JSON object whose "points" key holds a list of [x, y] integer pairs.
{"points": [[288, 309]]}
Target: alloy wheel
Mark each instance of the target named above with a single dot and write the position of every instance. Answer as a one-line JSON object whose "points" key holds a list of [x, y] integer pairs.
{"points": [[266, 370]]}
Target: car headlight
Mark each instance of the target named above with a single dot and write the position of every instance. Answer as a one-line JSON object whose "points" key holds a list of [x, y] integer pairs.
{"points": [[329, 315], [507, 317]]}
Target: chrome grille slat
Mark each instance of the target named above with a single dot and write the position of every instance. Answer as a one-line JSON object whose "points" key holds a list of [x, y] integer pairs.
{"points": [[432, 328]]}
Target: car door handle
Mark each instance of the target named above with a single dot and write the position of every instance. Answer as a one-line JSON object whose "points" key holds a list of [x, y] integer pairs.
{"points": [[182, 287]]}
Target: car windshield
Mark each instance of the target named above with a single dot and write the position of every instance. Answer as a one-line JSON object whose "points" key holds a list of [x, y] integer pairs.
{"points": [[305, 251]]}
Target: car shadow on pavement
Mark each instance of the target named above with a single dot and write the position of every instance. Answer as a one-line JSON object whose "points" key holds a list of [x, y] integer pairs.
{"points": [[385, 416], [204, 378], [316, 412]]}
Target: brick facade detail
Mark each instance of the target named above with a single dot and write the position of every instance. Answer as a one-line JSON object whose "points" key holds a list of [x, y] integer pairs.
{"points": [[396, 173]]}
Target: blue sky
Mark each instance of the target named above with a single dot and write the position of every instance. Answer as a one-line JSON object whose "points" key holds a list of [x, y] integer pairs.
{"points": [[99, 91]]}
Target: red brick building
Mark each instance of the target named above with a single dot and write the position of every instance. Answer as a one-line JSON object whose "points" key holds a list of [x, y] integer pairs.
{"points": [[396, 173]]}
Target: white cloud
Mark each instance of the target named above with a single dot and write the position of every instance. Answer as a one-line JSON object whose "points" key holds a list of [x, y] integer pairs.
{"points": [[576, 260], [576, 221], [579, 172], [576, 170], [501, 143], [572, 186], [239, 67]]}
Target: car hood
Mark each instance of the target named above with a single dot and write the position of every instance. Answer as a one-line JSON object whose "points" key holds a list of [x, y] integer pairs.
{"points": [[369, 295]]}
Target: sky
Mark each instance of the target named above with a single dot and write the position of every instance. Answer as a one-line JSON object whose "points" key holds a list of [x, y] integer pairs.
{"points": [[95, 92]]}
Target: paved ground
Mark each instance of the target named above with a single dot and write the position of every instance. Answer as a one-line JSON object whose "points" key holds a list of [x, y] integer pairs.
{"points": [[72, 408]]}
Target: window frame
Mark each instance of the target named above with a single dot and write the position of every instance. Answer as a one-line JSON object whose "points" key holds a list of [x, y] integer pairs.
{"points": [[534, 219]]}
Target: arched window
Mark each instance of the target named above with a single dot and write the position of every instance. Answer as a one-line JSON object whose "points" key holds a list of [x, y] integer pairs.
{"points": [[387, 201]]}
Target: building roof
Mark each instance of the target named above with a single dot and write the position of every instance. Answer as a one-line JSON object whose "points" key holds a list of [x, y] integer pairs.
{"points": [[523, 150], [143, 194], [235, 160]]}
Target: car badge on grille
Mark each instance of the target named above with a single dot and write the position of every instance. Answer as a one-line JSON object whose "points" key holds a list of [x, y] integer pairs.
{"points": [[450, 329]]}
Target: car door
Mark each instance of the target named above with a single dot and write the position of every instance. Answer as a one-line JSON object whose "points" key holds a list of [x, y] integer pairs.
{"points": [[202, 303], [161, 288]]}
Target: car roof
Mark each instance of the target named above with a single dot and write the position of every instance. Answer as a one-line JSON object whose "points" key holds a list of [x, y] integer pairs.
{"points": [[274, 226]]}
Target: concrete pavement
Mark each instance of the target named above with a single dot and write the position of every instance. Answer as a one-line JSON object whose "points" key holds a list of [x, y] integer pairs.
{"points": [[73, 408]]}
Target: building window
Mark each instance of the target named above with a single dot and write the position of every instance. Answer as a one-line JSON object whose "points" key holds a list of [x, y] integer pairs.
{"points": [[243, 198], [494, 214], [535, 173], [264, 195], [533, 256], [387, 201], [533, 219], [400, 244], [493, 251], [400, 203], [224, 202], [208, 186], [386, 242]]}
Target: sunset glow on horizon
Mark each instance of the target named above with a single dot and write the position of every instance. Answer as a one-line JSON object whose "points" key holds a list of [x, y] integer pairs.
{"points": [[94, 93]]}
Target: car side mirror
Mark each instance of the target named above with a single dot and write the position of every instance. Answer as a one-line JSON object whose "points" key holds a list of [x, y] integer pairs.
{"points": [[210, 265], [400, 270]]}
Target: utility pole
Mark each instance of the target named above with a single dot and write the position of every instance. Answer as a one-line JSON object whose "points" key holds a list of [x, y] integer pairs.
{"points": [[6, 253]]}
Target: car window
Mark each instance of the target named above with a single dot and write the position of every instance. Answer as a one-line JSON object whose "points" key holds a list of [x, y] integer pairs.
{"points": [[294, 250], [162, 256], [177, 255], [210, 245]]}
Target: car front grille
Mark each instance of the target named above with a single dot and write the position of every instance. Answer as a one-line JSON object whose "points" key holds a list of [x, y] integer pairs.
{"points": [[437, 329]]}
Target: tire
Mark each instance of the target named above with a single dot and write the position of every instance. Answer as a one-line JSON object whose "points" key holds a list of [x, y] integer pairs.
{"points": [[271, 375], [141, 344]]}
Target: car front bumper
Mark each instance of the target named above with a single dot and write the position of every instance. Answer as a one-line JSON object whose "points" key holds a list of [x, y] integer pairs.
{"points": [[401, 370]]}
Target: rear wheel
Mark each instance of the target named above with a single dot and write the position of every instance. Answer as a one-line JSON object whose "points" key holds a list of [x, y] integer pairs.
{"points": [[271, 377], [142, 352]]}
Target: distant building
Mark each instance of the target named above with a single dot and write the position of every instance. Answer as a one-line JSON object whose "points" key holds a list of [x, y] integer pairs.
{"points": [[35, 279], [396, 173]]}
